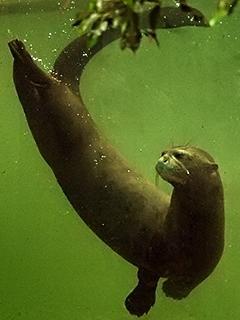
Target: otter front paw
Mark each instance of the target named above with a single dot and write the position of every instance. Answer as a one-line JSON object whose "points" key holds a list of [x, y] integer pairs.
{"points": [[140, 300], [176, 289]]}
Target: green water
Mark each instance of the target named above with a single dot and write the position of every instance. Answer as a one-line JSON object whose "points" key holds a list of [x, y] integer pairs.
{"points": [[52, 267]]}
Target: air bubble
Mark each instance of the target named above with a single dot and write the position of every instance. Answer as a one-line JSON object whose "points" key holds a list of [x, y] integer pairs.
{"points": [[37, 59]]}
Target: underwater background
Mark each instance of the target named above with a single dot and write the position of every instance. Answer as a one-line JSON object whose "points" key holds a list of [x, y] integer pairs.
{"points": [[187, 91]]}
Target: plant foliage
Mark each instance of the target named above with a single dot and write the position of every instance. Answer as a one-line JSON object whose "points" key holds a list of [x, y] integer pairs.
{"points": [[125, 15]]}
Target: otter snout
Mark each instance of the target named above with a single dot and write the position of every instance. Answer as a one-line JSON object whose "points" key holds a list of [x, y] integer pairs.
{"points": [[171, 169]]}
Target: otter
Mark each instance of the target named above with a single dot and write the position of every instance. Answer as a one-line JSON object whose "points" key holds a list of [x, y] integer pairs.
{"points": [[178, 238]]}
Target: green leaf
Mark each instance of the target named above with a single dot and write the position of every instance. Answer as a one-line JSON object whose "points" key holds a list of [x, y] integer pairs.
{"points": [[129, 3], [224, 8], [92, 5], [92, 40], [80, 17]]}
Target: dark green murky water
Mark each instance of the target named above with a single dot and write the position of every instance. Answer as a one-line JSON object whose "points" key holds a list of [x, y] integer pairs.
{"points": [[52, 267]]}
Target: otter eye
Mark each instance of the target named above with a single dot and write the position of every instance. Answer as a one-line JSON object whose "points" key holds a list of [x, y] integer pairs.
{"points": [[179, 155], [163, 153]]}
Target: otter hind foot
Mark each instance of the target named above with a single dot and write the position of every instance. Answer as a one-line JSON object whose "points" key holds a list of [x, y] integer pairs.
{"points": [[140, 300], [23, 60], [176, 289], [19, 51]]}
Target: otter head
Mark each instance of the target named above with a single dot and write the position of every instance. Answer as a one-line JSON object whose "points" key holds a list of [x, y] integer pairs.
{"points": [[181, 165]]}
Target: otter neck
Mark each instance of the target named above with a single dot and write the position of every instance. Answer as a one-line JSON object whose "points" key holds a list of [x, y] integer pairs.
{"points": [[196, 200], [195, 223]]}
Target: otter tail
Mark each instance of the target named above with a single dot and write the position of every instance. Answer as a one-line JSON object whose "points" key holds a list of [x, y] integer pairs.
{"points": [[72, 60]]}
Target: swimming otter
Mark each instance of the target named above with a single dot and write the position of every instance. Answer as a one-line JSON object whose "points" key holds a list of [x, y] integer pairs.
{"points": [[190, 242], [179, 239], [194, 225]]}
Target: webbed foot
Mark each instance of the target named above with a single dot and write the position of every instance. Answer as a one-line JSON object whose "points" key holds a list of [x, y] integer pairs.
{"points": [[176, 289], [140, 300]]}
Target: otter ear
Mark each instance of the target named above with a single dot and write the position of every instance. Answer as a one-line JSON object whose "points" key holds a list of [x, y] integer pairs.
{"points": [[213, 166]]}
